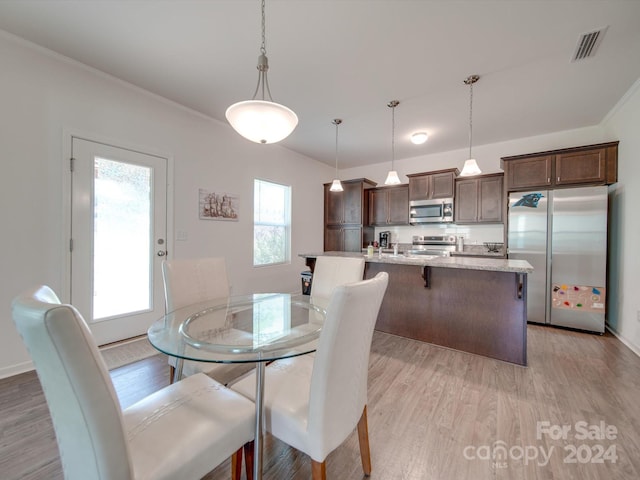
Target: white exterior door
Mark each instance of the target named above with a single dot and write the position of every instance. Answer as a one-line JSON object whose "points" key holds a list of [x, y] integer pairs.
{"points": [[118, 238]]}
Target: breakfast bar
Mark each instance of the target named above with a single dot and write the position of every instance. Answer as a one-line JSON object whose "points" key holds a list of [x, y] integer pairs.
{"points": [[476, 305]]}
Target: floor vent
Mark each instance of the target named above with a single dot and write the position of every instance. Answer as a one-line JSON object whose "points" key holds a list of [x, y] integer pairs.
{"points": [[588, 43]]}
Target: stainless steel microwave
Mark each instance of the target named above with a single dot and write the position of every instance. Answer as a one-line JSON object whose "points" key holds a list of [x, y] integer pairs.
{"points": [[431, 211]]}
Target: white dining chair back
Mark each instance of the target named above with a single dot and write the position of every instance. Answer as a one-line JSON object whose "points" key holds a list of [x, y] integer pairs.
{"points": [[190, 282], [329, 272], [194, 280], [338, 387], [180, 432], [314, 404]]}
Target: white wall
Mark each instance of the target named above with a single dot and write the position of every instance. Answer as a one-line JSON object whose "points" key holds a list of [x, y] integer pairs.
{"points": [[42, 94], [624, 196]]}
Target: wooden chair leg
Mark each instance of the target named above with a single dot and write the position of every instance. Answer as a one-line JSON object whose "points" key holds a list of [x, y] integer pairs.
{"points": [[318, 470], [172, 371], [236, 464], [248, 459], [363, 438]]}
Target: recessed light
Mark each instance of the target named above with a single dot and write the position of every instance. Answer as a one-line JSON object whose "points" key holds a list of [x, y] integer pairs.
{"points": [[419, 138]]}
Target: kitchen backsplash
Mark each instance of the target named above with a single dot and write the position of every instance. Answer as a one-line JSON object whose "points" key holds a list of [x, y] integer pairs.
{"points": [[473, 234]]}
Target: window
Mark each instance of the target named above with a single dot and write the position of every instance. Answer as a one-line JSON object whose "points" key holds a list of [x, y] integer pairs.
{"points": [[271, 223]]}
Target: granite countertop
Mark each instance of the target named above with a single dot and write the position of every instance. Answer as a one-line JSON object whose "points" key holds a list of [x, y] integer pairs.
{"points": [[479, 251], [472, 250], [468, 263]]}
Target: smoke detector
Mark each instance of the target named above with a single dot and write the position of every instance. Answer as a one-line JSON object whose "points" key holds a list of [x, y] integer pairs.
{"points": [[588, 43]]}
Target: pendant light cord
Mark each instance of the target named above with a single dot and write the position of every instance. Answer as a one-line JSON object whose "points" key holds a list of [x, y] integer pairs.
{"points": [[336, 148], [470, 80], [263, 46], [263, 63], [470, 116], [393, 104], [393, 136]]}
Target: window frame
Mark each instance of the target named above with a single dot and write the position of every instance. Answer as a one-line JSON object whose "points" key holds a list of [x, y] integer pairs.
{"points": [[286, 224]]}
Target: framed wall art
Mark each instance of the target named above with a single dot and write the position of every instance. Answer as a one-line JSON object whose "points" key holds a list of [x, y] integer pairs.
{"points": [[218, 205]]}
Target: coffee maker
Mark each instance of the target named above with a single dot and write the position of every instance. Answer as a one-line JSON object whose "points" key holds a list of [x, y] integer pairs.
{"points": [[385, 239]]}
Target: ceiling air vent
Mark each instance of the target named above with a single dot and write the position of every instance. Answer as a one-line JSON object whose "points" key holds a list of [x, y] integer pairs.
{"points": [[588, 43]]}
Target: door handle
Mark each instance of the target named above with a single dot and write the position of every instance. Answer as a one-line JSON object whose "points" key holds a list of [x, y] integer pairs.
{"points": [[161, 253]]}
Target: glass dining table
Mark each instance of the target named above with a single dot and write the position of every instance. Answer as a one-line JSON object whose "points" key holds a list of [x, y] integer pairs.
{"points": [[256, 328]]}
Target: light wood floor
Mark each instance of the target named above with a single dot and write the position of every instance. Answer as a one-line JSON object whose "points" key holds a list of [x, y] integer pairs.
{"points": [[433, 414]]}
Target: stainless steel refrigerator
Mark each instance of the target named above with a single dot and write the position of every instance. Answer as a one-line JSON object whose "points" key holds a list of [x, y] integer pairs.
{"points": [[563, 234]]}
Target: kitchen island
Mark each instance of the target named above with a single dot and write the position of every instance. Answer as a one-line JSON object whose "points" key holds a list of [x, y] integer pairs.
{"points": [[476, 305]]}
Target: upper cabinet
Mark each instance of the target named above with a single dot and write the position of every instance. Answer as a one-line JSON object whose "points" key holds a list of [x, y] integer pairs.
{"points": [[588, 165], [581, 167], [428, 185], [479, 199], [529, 172], [389, 206], [349, 206], [346, 216]]}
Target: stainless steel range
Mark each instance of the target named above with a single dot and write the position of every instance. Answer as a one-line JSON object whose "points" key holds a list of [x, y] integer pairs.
{"points": [[441, 245]]}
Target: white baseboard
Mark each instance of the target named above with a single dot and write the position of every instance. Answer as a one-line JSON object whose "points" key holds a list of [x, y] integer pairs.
{"points": [[12, 370], [625, 341]]}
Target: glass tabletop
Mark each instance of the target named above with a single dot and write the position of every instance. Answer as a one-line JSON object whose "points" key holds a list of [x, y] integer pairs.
{"points": [[247, 328]]}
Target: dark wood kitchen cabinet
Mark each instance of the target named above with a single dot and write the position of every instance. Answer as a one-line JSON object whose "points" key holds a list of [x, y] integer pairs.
{"points": [[479, 199], [344, 239], [389, 206], [346, 206], [581, 167], [436, 184], [587, 165], [529, 172], [346, 216]]}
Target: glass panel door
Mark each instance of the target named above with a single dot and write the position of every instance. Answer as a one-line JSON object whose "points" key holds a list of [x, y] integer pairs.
{"points": [[118, 236]]}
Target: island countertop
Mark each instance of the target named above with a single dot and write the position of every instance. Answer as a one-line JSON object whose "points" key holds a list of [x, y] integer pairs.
{"points": [[467, 263]]}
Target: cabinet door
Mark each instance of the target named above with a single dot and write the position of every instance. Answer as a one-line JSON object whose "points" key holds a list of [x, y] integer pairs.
{"points": [[529, 172], [581, 167], [352, 206], [333, 207], [466, 201], [352, 238], [398, 206], [419, 187], [490, 199], [378, 211], [442, 185], [333, 239]]}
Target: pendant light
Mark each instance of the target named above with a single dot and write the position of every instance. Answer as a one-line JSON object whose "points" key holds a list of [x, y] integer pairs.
{"points": [[392, 176], [470, 166], [263, 120], [336, 186]]}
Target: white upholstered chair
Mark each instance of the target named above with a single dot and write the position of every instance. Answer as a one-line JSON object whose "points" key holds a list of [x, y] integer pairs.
{"points": [[191, 281], [329, 272], [180, 432], [314, 404]]}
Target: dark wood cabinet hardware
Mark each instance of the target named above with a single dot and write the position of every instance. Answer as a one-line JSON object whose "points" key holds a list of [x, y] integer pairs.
{"points": [[426, 275]]}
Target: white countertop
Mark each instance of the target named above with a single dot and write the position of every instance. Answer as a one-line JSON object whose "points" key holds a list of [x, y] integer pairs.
{"points": [[468, 263]]}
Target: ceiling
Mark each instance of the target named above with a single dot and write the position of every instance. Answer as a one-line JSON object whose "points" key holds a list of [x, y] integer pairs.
{"points": [[348, 58]]}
